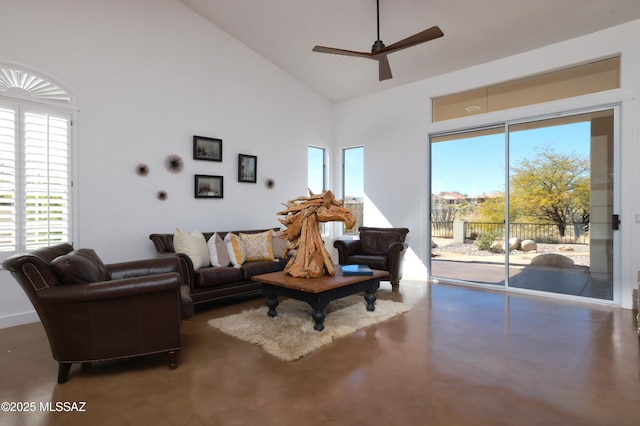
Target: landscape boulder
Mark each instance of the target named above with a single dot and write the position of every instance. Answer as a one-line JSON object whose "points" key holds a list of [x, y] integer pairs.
{"points": [[528, 245], [514, 244]]}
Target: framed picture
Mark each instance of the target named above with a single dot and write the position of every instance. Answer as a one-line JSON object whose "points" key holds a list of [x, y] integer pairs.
{"points": [[208, 186], [247, 168], [209, 149]]}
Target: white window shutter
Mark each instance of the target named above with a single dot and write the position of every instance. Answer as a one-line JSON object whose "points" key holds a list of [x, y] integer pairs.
{"points": [[46, 179], [8, 231]]}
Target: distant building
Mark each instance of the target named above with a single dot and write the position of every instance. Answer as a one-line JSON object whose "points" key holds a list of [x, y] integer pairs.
{"points": [[444, 198]]}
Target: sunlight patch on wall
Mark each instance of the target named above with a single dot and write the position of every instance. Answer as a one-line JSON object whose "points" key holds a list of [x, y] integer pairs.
{"points": [[413, 268]]}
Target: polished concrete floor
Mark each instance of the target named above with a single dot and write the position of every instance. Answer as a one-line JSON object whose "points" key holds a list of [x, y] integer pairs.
{"points": [[461, 356]]}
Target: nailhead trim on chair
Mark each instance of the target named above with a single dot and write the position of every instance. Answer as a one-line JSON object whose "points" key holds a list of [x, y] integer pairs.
{"points": [[122, 357], [39, 275]]}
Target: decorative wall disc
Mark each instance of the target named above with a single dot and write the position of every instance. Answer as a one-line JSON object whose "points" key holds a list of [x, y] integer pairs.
{"points": [[142, 169], [174, 163]]}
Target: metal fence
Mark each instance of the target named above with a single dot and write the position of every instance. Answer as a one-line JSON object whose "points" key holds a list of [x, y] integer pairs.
{"points": [[442, 229], [574, 233]]}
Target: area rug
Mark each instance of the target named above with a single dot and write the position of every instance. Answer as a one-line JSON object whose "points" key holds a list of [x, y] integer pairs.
{"points": [[290, 335]]}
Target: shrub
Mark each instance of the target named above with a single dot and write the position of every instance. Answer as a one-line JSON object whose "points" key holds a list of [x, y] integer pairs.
{"points": [[484, 241]]}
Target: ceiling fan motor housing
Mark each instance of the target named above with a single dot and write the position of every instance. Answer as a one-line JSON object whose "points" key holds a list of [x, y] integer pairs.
{"points": [[377, 45]]}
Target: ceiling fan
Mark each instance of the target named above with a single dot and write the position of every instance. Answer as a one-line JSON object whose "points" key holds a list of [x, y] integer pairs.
{"points": [[379, 51]]}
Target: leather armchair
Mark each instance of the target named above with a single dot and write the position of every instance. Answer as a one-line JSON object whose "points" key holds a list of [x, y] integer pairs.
{"points": [[378, 248], [96, 312]]}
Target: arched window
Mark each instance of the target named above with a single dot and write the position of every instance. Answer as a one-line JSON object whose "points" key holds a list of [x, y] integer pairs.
{"points": [[36, 134]]}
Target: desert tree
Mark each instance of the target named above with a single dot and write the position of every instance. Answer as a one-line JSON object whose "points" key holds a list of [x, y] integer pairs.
{"points": [[551, 187]]}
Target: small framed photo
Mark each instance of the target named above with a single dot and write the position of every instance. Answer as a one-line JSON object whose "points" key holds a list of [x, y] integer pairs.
{"points": [[247, 168], [208, 186], [209, 149]]}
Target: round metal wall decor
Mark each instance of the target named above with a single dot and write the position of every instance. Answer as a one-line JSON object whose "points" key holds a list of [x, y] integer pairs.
{"points": [[174, 163], [142, 169]]}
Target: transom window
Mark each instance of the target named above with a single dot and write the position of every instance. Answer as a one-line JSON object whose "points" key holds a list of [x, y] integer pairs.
{"points": [[593, 77]]}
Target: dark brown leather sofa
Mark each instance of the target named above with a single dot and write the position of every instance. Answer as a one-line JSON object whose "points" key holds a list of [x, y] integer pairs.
{"points": [[221, 282], [378, 248], [95, 312]]}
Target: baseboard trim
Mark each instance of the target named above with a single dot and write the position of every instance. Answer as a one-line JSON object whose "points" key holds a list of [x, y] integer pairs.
{"points": [[19, 319]]}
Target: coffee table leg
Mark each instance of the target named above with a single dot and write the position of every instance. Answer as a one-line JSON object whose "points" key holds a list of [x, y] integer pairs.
{"points": [[371, 297], [272, 303], [318, 316]]}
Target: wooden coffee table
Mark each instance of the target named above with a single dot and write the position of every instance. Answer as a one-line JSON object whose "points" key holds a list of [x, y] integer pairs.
{"points": [[318, 292]]}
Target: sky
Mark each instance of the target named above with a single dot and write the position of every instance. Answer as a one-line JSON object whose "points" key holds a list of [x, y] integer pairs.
{"points": [[474, 166]]}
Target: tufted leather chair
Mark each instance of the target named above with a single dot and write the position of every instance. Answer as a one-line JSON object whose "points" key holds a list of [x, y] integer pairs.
{"points": [[378, 248], [96, 312]]}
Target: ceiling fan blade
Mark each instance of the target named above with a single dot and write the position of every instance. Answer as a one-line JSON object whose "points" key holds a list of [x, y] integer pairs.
{"points": [[384, 70], [342, 52], [421, 37]]}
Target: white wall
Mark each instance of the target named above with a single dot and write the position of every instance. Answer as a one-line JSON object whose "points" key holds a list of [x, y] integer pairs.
{"points": [[148, 75], [394, 128]]}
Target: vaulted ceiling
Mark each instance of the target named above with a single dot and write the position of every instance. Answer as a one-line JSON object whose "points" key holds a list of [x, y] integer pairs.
{"points": [[476, 32]]}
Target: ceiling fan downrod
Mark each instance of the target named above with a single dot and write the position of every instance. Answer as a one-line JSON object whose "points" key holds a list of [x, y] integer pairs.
{"points": [[378, 44]]}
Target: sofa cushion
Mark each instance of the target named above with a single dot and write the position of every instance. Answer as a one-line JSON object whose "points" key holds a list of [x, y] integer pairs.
{"points": [[235, 249], [279, 243], [212, 277], [258, 246], [81, 266], [261, 267], [193, 245], [218, 251]]}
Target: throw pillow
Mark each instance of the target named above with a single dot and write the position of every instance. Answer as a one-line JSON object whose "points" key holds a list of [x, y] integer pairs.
{"points": [[82, 266], [235, 249], [193, 245], [218, 251], [278, 243], [258, 246]]}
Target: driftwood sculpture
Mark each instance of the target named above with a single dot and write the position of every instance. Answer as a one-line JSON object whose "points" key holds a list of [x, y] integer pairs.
{"points": [[302, 216]]}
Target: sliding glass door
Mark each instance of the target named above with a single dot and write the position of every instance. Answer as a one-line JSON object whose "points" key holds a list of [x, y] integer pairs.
{"points": [[527, 205], [467, 179]]}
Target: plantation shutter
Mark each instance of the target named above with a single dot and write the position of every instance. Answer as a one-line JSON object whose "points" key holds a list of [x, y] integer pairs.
{"points": [[8, 231], [46, 179]]}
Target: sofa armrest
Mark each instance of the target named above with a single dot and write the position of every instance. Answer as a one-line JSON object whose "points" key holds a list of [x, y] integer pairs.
{"points": [[186, 266], [396, 248], [109, 290], [161, 241], [139, 268], [347, 248], [395, 258], [164, 263]]}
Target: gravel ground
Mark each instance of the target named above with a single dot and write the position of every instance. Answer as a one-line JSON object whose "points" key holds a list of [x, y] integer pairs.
{"points": [[446, 249]]}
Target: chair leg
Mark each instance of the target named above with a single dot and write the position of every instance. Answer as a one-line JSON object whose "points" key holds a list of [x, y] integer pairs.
{"points": [[173, 360], [395, 286], [63, 372]]}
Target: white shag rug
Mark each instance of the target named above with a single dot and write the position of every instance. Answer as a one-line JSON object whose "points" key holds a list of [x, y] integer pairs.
{"points": [[290, 335]]}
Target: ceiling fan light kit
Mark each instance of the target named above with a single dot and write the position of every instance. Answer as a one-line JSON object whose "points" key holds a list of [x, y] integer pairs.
{"points": [[379, 51]]}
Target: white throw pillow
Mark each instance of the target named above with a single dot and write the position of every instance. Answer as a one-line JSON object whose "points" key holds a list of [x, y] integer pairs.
{"points": [[218, 251], [258, 246], [235, 249], [278, 243], [193, 245]]}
